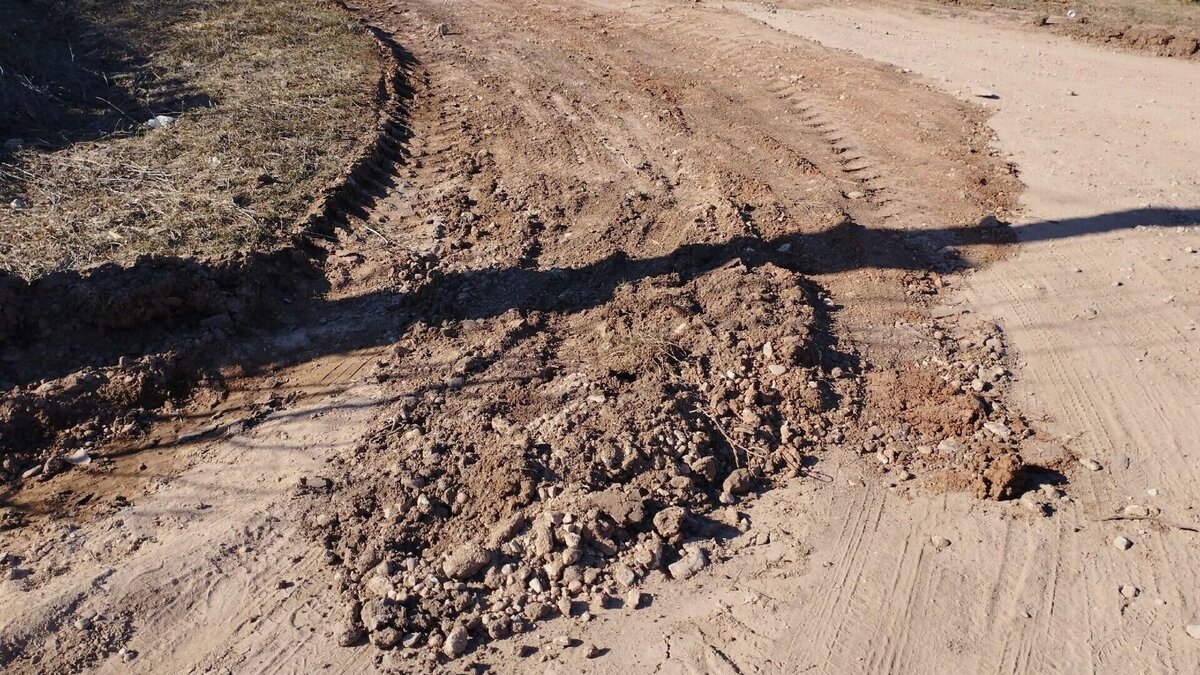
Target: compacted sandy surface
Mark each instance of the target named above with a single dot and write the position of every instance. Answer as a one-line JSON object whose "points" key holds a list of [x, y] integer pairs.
{"points": [[688, 338]]}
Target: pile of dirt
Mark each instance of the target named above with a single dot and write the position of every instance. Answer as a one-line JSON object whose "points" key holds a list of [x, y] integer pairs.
{"points": [[554, 462]]}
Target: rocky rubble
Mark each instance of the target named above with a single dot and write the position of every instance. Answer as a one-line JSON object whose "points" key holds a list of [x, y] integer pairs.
{"points": [[535, 476]]}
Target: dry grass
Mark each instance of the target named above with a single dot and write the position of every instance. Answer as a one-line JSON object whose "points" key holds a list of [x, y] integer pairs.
{"points": [[1171, 13], [271, 97]]}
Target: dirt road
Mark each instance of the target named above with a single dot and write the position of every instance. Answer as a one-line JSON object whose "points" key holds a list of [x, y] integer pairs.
{"points": [[577, 178]]}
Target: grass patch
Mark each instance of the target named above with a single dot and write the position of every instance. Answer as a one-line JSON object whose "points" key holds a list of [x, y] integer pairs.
{"points": [[271, 98]]}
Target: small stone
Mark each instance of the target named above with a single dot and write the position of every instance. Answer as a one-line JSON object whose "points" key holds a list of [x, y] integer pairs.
{"points": [[456, 642], [998, 428], [1090, 464], [777, 369], [386, 638], [624, 575], [350, 636], [950, 446], [160, 121], [18, 203], [1136, 511], [855, 194], [379, 586], [738, 482], [669, 521], [565, 606], [692, 562], [634, 599], [466, 561], [563, 641], [1122, 543], [537, 586], [1129, 591], [83, 623], [591, 651], [939, 542]]}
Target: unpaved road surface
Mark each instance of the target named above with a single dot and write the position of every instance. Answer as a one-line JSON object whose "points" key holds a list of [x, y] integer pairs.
{"points": [[577, 176]]}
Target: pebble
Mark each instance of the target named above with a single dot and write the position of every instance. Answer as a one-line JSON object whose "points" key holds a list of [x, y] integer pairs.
{"points": [[456, 642], [160, 121], [939, 542], [1136, 511], [19, 203], [1090, 464], [634, 599], [563, 641], [777, 369], [950, 446], [591, 651], [692, 562], [1129, 591], [1122, 543], [738, 482], [998, 428], [624, 575], [669, 521]]}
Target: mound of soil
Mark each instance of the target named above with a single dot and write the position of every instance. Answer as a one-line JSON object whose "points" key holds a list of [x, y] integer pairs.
{"points": [[553, 462]]}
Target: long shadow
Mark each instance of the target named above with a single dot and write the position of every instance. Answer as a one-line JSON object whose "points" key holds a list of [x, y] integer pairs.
{"points": [[146, 307], [64, 79]]}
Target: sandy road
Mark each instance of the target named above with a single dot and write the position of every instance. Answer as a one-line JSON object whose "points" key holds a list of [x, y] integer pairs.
{"points": [[621, 122]]}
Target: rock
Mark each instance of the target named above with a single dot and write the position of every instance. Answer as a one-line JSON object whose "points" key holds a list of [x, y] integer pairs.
{"points": [[18, 204], [1000, 429], [669, 521], [350, 636], [1122, 543], [705, 467], [980, 92], [777, 369], [505, 530], [1129, 591], [624, 575], [1090, 464], [738, 482], [939, 542], [78, 458], [563, 641], [83, 623], [855, 194], [1194, 631], [386, 638], [536, 611], [693, 561], [1136, 511], [591, 651], [160, 121], [634, 599], [379, 586], [950, 446], [565, 606], [456, 641], [466, 561]]}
